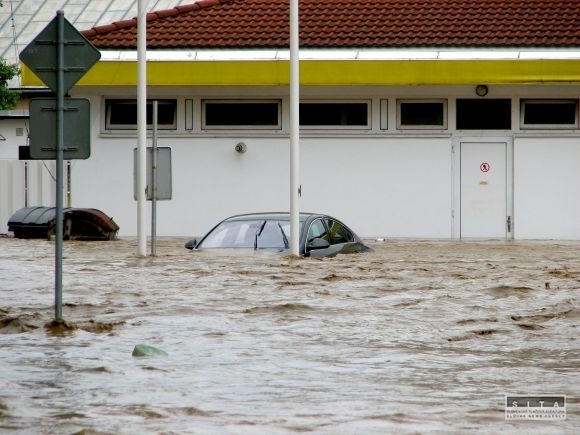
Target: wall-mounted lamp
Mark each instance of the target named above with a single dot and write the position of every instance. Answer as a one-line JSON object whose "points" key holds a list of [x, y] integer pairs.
{"points": [[481, 90], [241, 147]]}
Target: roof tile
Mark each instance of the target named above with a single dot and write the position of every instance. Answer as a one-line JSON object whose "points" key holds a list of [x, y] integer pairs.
{"points": [[255, 24]]}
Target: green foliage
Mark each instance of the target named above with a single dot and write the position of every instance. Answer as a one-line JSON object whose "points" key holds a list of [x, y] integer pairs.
{"points": [[8, 98]]}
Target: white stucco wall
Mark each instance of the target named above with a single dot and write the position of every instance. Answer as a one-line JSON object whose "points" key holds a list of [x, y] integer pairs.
{"points": [[547, 188], [211, 181], [22, 183], [382, 187]]}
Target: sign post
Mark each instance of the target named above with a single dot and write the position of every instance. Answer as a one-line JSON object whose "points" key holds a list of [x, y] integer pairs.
{"points": [[60, 55]]}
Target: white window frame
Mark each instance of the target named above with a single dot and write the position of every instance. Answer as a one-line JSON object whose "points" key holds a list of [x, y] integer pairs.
{"points": [[205, 101], [525, 101], [443, 126], [340, 127], [131, 127], [384, 115]]}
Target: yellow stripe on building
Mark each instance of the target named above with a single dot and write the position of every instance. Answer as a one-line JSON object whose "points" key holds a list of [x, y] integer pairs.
{"points": [[329, 72]]}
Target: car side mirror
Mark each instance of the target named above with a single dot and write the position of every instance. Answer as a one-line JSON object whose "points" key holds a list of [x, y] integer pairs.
{"points": [[191, 244], [317, 243]]}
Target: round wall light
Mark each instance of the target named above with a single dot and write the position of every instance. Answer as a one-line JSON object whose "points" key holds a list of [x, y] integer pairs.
{"points": [[481, 90], [241, 147]]}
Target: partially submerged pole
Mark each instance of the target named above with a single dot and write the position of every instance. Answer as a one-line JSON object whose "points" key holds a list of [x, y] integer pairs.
{"points": [[153, 186], [294, 129], [141, 160], [59, 167]]}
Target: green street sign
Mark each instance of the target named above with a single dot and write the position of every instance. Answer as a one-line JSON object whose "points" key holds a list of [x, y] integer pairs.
{"points": [[43, 125], [60, 55], [41, 55]]}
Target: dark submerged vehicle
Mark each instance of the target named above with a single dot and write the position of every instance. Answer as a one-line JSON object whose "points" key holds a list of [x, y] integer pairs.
{"points": [[321, 235], [78, 224]]}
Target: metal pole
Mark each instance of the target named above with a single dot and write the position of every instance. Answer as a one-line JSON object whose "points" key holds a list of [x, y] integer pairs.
{"points": [[154, 182], [141, 127], [59, 166], [294, 128], [68, 184]]}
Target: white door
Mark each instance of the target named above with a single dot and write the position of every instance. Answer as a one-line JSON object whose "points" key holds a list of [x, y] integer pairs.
{"points": [[483, 190]]}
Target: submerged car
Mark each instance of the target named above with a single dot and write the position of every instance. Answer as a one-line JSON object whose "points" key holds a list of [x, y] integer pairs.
{"points": [[320, 235]]}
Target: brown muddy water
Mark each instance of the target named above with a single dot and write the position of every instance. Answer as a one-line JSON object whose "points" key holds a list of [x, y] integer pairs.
{"points": [[415, 337]]}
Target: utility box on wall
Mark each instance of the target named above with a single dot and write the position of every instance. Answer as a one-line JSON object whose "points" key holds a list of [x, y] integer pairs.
{"points": [[162, 173]]}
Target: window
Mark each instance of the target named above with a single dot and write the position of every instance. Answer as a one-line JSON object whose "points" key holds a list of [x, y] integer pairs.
{"points": [[422, 114], [122, 114], [330, 230], [483, 114], [338, 232], [317, 230], [248, 234], [334, 114], [549, 114], [241, 114]]}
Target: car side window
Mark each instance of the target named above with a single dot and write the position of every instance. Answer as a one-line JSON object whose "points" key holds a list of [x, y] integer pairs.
{"points": [[339, 233], [317, 230]]}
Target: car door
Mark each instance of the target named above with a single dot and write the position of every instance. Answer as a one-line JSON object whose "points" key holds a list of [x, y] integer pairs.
{"points": [[343, 237], [318, 240]]}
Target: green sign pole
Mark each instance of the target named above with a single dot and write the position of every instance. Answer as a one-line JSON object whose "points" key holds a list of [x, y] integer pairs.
{"points": [[46, 54], [59, 167]]}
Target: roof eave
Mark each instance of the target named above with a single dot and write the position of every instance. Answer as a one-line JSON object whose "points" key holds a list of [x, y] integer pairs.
{"points": [[333, 68]]}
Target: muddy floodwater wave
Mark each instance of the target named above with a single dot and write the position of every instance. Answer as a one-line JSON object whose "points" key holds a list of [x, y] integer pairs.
{"points": [[413, 337]]}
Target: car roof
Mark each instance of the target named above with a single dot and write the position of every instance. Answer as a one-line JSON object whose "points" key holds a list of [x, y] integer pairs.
{"points": [[271, 215]]}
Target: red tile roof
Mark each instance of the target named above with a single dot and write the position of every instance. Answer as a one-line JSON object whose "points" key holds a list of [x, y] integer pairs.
{"points": [[262, 24]]}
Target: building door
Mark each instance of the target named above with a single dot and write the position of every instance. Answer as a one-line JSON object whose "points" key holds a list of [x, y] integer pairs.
{"points": [[484, 211]]}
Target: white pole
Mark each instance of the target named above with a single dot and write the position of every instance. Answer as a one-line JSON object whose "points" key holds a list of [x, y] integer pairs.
{"points": [[294, 128], [141, 126], [153, 181]]}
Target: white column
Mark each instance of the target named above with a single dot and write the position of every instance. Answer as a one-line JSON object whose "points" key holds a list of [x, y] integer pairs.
{"points": [[141, 126], [294, 128]]}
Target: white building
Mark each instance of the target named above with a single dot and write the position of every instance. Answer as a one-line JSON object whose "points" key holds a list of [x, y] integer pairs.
{"points": [[456, 121]]}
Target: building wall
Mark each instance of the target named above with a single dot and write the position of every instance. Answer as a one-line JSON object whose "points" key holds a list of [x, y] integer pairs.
{"points": [[22, 183], [379, 188], [383, 187], [382, 182], [380, 185], [547, 187]]}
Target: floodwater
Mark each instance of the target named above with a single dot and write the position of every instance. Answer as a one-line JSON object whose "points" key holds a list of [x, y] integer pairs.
{"points": [[415, 337]]}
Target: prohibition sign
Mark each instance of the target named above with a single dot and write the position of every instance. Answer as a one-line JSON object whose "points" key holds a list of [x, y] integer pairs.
{"points": [[485, 167]]}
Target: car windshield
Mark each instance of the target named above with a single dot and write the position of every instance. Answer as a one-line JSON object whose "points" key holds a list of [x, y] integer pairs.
{"points": [[258, 234]]}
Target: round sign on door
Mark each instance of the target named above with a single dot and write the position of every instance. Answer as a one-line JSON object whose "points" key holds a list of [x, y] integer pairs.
{"points": [[485, 167]]}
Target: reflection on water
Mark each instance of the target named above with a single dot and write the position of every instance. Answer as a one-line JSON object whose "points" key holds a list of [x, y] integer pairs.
{"points": [[414, 337]]}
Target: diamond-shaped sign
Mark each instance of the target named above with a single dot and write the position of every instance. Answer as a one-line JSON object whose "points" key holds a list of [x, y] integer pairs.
{"points": [[42, 54]]}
